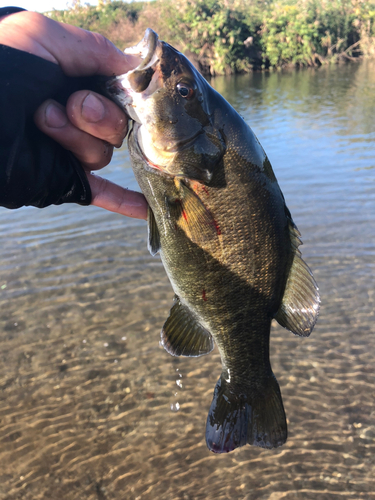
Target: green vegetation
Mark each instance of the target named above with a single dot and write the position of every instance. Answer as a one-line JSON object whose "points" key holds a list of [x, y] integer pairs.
{"points": [[226, 36], [214, 31]]}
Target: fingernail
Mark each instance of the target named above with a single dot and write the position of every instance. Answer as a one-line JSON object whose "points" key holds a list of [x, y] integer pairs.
{"points": [[55, 117], [92, 109]]}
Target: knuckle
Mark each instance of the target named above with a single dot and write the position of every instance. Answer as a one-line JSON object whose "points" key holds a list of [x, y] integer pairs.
{"points": [[96, 158], [100, 39], [118, 131], [104, 48]]}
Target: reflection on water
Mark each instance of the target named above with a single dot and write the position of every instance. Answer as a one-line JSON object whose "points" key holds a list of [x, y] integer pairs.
{"points": [[93, 408]]}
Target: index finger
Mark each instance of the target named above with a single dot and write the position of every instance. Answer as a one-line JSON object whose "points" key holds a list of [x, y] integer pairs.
{"points": [[106, 194], [77, 51]]}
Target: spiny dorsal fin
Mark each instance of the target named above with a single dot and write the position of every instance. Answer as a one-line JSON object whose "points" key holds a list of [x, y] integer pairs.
{"points": [[153, 233], [183, 335], [192, 215], [300, 305]]}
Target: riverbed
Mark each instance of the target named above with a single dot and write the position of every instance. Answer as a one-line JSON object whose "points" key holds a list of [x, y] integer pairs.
{"points": [[93, 408]]}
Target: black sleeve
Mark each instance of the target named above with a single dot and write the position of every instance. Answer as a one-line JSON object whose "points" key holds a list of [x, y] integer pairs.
{"points": [[34, 169]]}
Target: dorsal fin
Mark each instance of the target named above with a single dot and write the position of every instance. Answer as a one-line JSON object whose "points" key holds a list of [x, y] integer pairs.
{"points": [[300, 305], [183, 335]]}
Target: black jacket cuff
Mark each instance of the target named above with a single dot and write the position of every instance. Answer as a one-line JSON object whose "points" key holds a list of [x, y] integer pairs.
{"points": [[34, 169]]}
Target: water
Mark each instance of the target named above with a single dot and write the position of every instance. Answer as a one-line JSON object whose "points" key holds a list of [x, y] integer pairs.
{"points": [[93, 408]]}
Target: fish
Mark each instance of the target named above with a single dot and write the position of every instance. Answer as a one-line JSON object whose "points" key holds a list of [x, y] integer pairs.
{"points": [[225, 236]]}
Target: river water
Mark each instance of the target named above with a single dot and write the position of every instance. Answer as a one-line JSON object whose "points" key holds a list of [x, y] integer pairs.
{"points": [[93, 408]]}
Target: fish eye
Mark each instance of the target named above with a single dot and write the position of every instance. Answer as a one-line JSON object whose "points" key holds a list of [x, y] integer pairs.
{"points": [[185, 90]]}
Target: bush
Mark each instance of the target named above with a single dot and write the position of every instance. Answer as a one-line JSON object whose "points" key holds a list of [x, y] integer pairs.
{"points": [[311, 32], [226, 36], [289, 34], [100, 18], [214, 30]]}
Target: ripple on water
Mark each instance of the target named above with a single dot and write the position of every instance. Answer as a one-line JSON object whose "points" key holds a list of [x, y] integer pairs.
{"points": [[86, 390]]}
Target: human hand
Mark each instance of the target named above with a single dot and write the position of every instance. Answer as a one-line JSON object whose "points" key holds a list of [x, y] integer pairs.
{"points": [[90, 125]]}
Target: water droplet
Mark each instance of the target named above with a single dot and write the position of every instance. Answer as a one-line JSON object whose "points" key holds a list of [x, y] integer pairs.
{"points": [[175, 406], [179, 383], [105, 344], [83, 341]]}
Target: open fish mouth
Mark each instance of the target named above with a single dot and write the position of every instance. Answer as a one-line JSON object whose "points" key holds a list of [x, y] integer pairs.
{"points": [[132, 90], [147, 51], [144, 58]]}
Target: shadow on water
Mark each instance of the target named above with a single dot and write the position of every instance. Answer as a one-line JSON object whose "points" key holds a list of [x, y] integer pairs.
{"points": [[93, 408]]}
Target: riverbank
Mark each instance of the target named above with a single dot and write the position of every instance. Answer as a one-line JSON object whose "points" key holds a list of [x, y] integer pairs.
{"points": [[231, 36]]}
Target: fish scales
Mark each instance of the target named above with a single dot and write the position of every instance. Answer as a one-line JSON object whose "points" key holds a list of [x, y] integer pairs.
{"points": [[225, 236]]}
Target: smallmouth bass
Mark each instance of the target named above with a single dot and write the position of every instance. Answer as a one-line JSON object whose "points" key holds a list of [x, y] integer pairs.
{"points": [[225, 236]]}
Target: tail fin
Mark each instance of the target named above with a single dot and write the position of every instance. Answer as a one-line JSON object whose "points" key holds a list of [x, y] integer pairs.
{"points": [[237, 419]]}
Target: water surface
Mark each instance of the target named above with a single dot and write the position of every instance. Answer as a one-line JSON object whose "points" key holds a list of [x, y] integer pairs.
{"points": [[93, 408]]}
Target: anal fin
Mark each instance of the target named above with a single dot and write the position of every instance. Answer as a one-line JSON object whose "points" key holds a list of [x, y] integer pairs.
{"points": [[183, 335], [300, 304]]}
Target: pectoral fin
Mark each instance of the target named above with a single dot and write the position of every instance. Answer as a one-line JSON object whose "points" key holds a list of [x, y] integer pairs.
{"points": [[300, 305], [183, 335], [153, 234], [192, 215]]}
